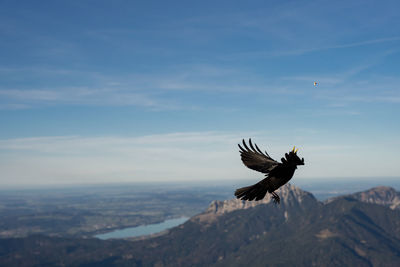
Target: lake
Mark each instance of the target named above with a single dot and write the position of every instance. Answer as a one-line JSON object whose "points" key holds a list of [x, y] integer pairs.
{"points": [[143, 229]]}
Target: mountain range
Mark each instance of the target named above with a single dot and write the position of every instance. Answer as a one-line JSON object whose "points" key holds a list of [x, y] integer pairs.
{"points": [[361, 229]]}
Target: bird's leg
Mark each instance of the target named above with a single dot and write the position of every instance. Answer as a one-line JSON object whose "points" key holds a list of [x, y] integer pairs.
{"points": [[275, 198]]}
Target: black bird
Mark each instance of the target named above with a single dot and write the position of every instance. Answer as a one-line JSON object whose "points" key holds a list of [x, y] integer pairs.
{"points": [[277, 174]]}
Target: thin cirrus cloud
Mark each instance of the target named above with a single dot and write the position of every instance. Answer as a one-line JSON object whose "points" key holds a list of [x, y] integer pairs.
{"points": [[81, 96], [153, 91], [156, 91], [74, 159], [328, 47], [185, 157], [311, 48]]}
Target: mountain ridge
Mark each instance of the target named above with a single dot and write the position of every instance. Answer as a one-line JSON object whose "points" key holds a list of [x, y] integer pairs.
{"points": [[290, 194], [381, 195]]}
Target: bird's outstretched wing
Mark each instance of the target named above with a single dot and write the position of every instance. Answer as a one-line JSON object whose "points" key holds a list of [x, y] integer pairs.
{"points": [[256, 160]]}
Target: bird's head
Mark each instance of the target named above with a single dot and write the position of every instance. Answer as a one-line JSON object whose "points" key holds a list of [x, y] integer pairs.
{"points": [[293, 158]]}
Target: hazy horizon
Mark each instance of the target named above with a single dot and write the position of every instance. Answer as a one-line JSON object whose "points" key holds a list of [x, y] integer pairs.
{"points": [[327, 183]]}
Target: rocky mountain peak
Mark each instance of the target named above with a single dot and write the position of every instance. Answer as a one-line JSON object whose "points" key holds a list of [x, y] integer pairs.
{"points": [[289, 194], [381, 195]]}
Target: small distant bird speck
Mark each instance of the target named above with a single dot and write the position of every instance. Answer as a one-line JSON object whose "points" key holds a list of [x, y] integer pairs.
{"points": [[277, 174], [315, 83]]}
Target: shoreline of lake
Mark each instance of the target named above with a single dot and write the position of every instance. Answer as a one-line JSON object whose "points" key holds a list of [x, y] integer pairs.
{"points": [[143, 230]]}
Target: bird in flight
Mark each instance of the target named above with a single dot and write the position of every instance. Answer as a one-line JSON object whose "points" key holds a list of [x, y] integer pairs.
{"points": [[277, 173]]}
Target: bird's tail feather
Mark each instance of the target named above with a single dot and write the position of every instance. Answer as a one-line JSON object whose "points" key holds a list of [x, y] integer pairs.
{"points": [[252, 192], [242, 191]]}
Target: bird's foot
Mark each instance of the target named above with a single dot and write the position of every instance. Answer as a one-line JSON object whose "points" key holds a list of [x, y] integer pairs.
{"points": [[276, 198]]}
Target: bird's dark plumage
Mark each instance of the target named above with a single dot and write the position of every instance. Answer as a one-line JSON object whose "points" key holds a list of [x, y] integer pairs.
{"points": [[277, 173]]}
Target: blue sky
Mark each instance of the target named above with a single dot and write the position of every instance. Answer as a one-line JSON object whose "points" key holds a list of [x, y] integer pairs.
{"points": [[125, 91]]}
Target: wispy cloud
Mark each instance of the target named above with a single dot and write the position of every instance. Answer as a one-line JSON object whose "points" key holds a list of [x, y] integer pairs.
{"points": [[329, 47], [365, 99], [156, 90], [366, 42], [13, 106], [339, 77], [303, 51], [74, 159], [371, 89], [184, 156], [82, 96]]}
